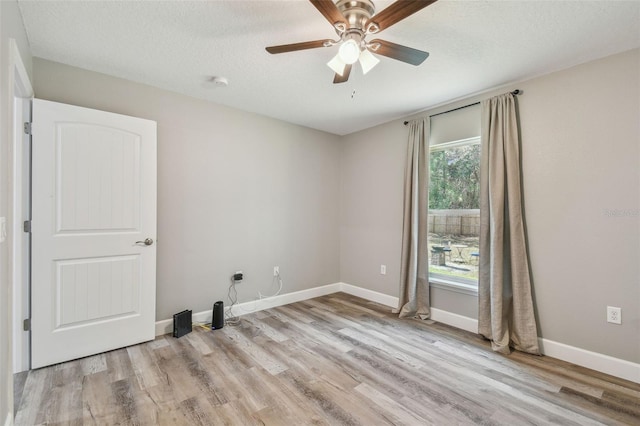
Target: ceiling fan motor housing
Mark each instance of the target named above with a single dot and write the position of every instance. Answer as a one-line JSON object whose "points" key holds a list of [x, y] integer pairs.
{"points": [[356, 12]]}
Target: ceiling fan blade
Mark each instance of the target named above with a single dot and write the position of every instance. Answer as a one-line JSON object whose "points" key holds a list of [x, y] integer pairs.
{"points": [[330, 11], [399, 52], [396, 12], [297, 46], [344, 77]]}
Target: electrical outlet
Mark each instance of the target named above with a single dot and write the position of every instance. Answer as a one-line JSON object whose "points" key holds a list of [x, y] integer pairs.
{"points": [[276, 271], [383, 269], [614, 315]]}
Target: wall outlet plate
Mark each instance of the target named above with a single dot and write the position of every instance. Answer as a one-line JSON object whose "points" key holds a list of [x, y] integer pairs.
{"points": [[614, 315]]}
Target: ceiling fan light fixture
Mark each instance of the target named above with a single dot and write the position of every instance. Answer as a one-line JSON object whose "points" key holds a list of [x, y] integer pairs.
{"points": [[349, 51], [367, 61], [337, 65], [353, 21]]}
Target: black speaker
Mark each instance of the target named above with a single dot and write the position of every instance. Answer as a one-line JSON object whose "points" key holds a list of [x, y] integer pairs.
{"points": [[218, 315]]}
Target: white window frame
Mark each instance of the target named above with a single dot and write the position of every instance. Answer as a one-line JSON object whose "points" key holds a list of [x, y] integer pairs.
{"points": [[459, 285]]}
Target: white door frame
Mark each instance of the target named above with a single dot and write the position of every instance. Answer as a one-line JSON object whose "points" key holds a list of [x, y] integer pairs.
{"points": [[20, 91]]}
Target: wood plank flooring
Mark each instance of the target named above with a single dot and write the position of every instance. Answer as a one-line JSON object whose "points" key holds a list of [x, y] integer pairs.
{"points": [[334, 360]]}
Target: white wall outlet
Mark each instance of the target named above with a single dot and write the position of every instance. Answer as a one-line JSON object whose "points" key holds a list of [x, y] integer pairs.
{"points": [[614, 315], [383, 269], [276, 271]]}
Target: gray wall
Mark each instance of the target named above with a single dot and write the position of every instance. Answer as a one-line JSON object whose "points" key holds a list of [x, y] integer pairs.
{"points": [[372, 167], [236, 191], [581, 167], [10, 27]]}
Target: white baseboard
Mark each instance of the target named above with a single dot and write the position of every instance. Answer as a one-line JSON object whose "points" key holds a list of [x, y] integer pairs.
{"points": [[596, 361], [166, 326], [282, 299], [593, 360], [455, 320], [9, 420], [374, 296]]}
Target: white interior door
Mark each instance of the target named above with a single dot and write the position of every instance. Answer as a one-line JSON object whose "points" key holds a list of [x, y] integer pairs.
{"points": [[93, 206]]}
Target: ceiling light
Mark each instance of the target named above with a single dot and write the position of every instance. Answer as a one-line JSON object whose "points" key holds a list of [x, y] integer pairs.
{"points": [[349, 51], [367, 61], [337, 65]]}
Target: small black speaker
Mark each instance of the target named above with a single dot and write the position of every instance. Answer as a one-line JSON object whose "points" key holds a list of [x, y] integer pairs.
{"points": [[218, 315]]}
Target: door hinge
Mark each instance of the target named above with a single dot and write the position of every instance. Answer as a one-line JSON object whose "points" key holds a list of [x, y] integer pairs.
{"points": [[26, 226], [26, 324], [27, 128]]}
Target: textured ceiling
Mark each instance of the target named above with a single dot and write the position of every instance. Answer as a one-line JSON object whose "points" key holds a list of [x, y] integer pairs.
{"points": [[180, 45]]}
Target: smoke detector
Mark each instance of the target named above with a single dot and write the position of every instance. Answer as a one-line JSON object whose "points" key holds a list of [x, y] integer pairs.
{"points": [[220, 81]]}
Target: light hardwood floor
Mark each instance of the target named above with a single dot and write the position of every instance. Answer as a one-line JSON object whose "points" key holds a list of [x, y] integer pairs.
{"points": [[334, 360]]}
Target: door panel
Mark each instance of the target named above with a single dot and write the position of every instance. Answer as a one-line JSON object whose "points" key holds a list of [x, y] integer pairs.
{"points": [[94, 201], [99, 182], [92, 290]]}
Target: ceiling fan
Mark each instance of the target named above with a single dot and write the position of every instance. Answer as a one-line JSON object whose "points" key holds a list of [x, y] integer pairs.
{"points": [[353, 20]]}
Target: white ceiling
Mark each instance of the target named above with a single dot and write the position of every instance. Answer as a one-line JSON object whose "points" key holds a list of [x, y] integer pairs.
{"points": [[180, 45]]}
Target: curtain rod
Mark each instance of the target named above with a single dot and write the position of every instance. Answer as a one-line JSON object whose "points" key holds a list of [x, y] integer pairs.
{"points": [[514, 93]]}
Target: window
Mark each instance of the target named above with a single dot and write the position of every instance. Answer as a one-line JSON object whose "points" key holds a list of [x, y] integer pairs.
{"points": [[454, 212]]}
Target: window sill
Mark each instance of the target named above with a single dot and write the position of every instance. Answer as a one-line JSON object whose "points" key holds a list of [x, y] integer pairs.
{"points": [[468, 289]]}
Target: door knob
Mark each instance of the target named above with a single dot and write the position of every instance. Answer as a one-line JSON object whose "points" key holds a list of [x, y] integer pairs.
{"points": [[146, 242]]}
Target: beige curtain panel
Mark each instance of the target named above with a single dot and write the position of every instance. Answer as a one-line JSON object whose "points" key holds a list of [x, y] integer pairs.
{"points": [[414, 274], [505, 314]]}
